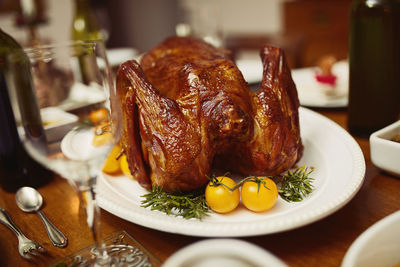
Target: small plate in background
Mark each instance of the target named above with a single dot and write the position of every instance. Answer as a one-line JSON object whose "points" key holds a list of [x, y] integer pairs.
{"points": [[379, 245], [385, 153], [117, 56], [57, 122], [313, 94], [82, 95], [223, 252], [310, 92]]}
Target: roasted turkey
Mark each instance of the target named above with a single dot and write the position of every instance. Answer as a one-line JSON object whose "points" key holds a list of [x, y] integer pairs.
{"points": [[187, 108]]}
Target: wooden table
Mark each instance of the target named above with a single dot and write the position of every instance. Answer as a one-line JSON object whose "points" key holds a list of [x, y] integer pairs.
{"points": [[322, 243]]}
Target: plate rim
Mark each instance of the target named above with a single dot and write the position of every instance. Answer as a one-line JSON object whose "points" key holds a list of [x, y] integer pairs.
{"points": [[349, 258], [110, 204]]}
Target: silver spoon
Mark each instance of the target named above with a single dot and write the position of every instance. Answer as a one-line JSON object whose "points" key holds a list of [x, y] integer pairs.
{"points": [[29, 200]]}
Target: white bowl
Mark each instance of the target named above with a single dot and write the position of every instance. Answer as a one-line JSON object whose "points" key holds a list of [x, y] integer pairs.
{"points": [[385, 154], [379, 245], [223, 252]]}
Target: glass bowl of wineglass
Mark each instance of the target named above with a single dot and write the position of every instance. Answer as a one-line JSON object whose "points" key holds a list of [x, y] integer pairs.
{"points": [[67, 118]]}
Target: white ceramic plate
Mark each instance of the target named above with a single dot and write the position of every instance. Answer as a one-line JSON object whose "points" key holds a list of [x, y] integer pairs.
{"points": [[223, 252], [379, 245], [339, 172], [312, 95], [308, 89]]}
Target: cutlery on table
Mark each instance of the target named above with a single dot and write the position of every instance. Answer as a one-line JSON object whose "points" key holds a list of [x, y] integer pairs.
{"points": [[25, 245], [29, 199]]}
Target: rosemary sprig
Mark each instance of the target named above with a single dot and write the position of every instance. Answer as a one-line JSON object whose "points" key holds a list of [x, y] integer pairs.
{"points": [[295, 185], [188, 206]]}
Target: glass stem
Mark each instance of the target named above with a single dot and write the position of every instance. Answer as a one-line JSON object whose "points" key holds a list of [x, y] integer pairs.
{"points": [[88, 199]]}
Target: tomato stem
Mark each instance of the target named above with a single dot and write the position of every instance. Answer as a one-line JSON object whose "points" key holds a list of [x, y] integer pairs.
{"points": [[215, 182], [255, 179]]}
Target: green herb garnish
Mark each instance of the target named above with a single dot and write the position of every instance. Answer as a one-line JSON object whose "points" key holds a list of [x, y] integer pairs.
{"points": [[190, 205], [295, 185]]}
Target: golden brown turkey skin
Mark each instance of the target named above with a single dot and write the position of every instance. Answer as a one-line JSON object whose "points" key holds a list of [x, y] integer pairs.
{"points": [[275, 145], [188, 104]]}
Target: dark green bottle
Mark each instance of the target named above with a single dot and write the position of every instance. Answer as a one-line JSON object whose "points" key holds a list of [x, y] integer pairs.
{"points": [[17, 168], [374, 61]]}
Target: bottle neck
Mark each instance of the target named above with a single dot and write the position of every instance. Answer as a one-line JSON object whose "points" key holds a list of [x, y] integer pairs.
{"points": [[85, 25], [7, 44], [82, 7]]}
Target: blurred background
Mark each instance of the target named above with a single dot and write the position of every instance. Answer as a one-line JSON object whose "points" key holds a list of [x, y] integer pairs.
{"points": [[306, 29]]}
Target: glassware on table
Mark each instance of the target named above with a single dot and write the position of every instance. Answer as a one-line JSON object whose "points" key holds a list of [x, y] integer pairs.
{"points": [[201, 19], [119, 245], [74, 92]]}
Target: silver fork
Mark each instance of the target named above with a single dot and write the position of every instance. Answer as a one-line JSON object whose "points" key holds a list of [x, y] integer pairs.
{"points": [[25, 245]]}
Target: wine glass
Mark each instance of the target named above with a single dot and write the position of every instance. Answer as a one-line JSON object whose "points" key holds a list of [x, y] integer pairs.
{"points": [[72, 123]]}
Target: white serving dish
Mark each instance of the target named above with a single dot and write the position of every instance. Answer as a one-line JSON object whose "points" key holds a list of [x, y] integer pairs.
{"points": [[379, 245], [385, 154], [57, 122], [339, 169], [223, 252]]}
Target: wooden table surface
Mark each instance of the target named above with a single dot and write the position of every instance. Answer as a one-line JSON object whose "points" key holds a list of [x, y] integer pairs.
{"points": [[322, 243]]}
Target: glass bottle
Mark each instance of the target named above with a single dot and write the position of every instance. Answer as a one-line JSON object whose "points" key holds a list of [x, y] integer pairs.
{"points": [[374, 62], [17, 168], [85, 27], [30, 15], [84, 24]]}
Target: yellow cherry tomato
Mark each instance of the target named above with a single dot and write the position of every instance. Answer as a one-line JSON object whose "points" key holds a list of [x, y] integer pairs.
{"points": [[102, 135], [103, 139], [259, 194], [99, 115], [112, 165], [219, 198], [125, 166]]}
